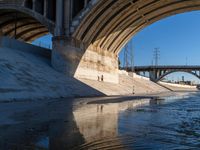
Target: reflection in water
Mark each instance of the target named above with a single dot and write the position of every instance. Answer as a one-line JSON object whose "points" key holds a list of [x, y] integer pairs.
{"points": [[169, 123], [99, 121]]}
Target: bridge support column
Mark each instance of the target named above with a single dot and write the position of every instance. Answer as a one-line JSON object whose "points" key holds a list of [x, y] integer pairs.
{"points": [[45, 8], [59, 18], [74, 60], [153, 75], [34, 4], [98, 63], [65, 56], [67, 16]]}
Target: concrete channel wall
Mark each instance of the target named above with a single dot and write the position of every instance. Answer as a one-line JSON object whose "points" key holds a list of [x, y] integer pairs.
{"points": [[25, 47]]}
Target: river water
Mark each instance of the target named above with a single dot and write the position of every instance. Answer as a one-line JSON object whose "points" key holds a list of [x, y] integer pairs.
{"points": [[143, 123]]}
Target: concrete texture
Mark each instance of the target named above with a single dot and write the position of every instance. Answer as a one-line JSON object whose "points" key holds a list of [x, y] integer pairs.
{"points": [[126, 85], [96, 63], [26, 75], [25, 47], [90, 64]]}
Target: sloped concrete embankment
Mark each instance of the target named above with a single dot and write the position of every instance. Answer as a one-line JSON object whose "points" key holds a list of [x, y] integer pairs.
{"points": [[178, 87], [26, 73], [127, 85]]}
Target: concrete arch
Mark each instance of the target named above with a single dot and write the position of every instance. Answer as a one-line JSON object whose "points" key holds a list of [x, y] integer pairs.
{"points": [[29, 24], [173, 71], [110, 24]]}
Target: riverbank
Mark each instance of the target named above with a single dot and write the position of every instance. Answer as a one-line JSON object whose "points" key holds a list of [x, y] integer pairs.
{"points": [[26, 75], [179, 87]]}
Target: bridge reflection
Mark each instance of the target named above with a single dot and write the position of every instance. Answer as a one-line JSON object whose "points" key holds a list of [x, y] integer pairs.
{"points": [[99, 121]]}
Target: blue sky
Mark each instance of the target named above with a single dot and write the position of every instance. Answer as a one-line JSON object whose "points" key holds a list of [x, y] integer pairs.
{"points": [[44, 41], [177, 37]]}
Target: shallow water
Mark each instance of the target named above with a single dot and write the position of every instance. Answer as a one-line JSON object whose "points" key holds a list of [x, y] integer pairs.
{"points": [[169, 123]]}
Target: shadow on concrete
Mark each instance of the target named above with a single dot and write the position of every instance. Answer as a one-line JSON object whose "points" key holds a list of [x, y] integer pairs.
{"points": [[26, 74]]}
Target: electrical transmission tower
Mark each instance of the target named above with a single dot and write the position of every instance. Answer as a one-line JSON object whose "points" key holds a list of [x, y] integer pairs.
{"points": [[156, 56], [132, 56], [128, 57]]}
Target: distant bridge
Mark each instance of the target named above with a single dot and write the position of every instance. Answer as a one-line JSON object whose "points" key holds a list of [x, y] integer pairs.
{"points": [[156, 73]]}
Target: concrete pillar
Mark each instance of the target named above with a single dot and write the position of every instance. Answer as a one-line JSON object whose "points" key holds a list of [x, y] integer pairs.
{"points": [[34, 5], [45, 8], [59, 18], [160, 73], [65, 56], [67, 16], [75, 59], [152, 75], [72, 59], [85, 3]]}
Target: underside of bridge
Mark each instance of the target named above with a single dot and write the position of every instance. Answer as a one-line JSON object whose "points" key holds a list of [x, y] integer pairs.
{"points": [[103, 27], [109, 25], [20, 26], [88, 34], [26, 20]]}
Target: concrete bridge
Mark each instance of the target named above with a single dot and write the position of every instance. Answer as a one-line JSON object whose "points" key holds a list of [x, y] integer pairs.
{"points": [[156, 73], [87, 34]]}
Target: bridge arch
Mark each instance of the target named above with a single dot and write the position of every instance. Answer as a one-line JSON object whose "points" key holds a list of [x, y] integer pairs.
{"points": [[110, 24], [23, 23], [174, 71]]}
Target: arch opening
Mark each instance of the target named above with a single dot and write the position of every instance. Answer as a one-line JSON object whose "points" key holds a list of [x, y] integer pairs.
{"points": [[181, 77], [109, 25]]}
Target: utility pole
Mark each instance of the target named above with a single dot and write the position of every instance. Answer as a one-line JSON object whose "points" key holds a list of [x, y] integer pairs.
{"points": [[156, 55], [152, 62], [129, 57], [132, 56], [126, 56], [186, 61]]}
